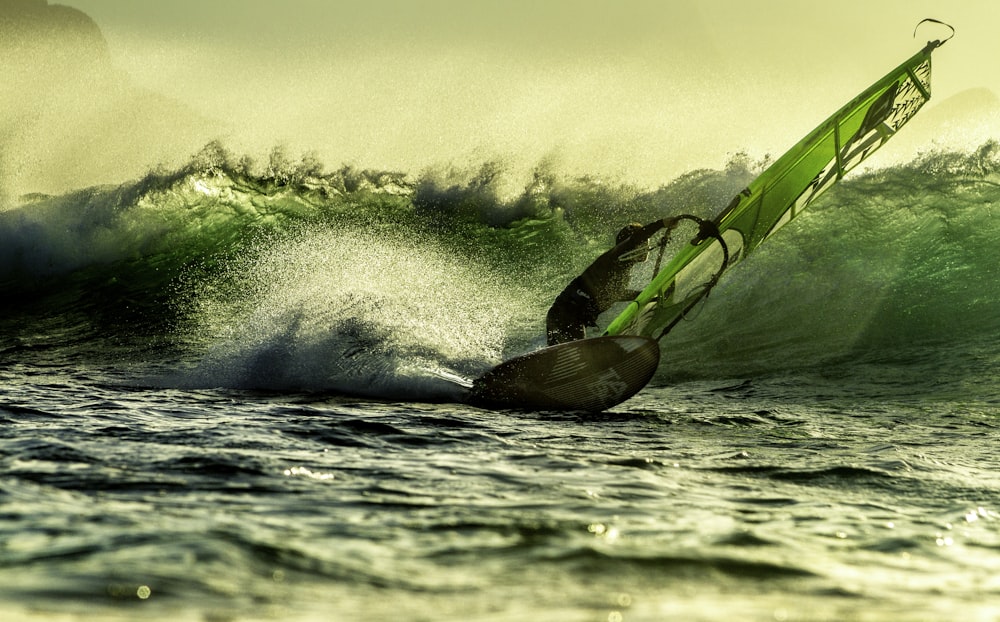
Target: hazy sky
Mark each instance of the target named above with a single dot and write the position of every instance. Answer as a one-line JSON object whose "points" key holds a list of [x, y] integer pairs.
{"points": [[642, 89]]}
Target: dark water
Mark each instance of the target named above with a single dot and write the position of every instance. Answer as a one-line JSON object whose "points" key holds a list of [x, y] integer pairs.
{"points": [[220, 401]]}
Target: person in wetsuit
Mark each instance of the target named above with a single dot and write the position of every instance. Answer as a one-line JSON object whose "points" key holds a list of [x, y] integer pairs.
{"points": [[602, 284]]}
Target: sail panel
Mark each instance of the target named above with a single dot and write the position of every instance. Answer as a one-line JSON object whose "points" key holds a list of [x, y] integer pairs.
{"points": [[782, 191]]}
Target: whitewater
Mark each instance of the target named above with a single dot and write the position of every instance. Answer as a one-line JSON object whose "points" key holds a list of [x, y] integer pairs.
{"points": [[222, 398]]}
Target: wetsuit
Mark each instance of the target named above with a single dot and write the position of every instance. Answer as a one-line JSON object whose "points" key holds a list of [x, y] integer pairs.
{"points": [[601, 285]]}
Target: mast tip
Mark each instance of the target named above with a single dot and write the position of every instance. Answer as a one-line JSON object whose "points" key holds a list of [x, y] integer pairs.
{"points": [[938, 42]]}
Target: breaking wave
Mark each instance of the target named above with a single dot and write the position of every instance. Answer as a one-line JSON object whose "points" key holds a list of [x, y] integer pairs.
{"points": [[278, 275]]}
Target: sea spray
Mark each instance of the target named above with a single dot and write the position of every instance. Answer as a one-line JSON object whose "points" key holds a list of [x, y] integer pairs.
{"points": [[358, 312]]}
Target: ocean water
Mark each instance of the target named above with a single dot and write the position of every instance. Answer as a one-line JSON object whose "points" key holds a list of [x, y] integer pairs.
{"points": [[221, 398]]}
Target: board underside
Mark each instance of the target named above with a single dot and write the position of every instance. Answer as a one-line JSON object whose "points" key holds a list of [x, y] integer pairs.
{"points": [[585, 375]]}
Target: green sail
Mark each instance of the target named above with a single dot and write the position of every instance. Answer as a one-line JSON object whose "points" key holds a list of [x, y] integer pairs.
{"points": [[780, 193]]}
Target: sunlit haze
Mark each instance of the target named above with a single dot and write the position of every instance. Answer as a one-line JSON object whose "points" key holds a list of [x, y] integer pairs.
{"points": [[637, 90]]}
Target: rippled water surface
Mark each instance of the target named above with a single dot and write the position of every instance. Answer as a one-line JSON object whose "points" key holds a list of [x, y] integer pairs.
{"points": [[779, 498]]}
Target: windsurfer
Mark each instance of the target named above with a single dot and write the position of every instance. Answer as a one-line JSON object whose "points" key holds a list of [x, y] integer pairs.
{"points": [[602, 284]]}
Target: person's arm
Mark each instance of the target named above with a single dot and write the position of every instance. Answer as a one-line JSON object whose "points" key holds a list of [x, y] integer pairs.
{"points": [[634, 248], [647, 231]]}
